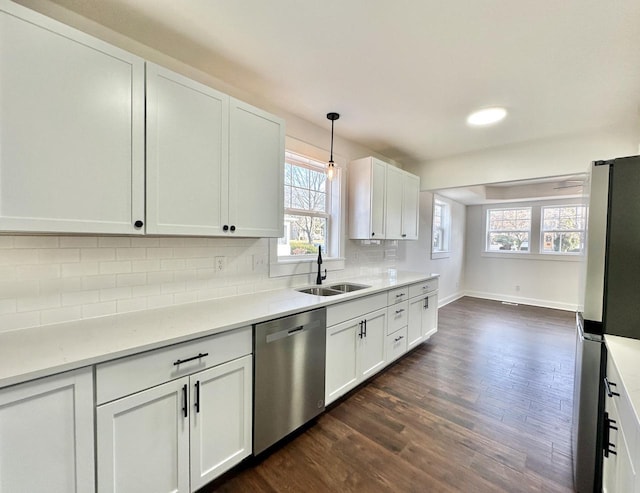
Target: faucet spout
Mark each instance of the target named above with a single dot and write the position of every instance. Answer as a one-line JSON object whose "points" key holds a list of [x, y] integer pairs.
{"points": [[320, 277]]}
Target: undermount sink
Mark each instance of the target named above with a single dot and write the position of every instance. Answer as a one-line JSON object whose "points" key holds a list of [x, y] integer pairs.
{"points": [[320, 291], [344, 287], [347, 287]]}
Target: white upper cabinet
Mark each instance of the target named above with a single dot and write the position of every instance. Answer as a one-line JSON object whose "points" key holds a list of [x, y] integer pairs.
{"points": [[367, 198], [383, 201], [71, 129], [187, 155], [256, 172], [215, 165]]}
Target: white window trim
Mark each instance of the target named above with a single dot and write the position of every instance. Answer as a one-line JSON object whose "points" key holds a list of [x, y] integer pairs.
{"points": [[279, 267], [446, 253], [536, 230], [542, 231]]}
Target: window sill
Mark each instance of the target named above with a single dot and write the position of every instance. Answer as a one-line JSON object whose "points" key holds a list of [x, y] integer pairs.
{"points": [[304, 266], [438, 255], [535, 256]]}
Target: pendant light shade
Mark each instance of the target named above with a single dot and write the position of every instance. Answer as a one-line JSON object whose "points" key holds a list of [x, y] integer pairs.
{"points": [[331, 165]]}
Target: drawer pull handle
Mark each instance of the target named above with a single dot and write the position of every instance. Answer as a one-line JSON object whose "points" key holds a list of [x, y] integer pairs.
{"points": [[197, 403], [180, 361], [398, 339], [426, 286], [399, 295], [365, 327], [398, 312], [608, 385], [185, 409]]}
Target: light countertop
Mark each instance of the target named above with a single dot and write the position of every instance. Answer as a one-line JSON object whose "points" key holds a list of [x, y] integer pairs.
{"points": [[625, 353], [31, 353]]}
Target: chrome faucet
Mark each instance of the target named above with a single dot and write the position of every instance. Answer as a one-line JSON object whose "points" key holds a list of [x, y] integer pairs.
{"points": [[320, 277]]}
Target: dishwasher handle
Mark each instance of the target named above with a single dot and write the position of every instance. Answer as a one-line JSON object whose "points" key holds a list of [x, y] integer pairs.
{"points": [[289, 332]]}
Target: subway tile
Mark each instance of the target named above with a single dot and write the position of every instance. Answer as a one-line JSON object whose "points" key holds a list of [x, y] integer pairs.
{"points": [[23, 320], [8, 306], [152, 265], [199, 263], [60, 285], [119, 267], [35, 242], [159, 252], [173, 264], [114, 241], [41, 302], [115, 294], [29, 272], [81, 298], [135, 279], [80, 269], [97, 254], [159, 277], [196, 242], [6, 241], [131, 253], [58, 255], [8, 273], [78, 242], [145, 291], [99, 282], [185, 297], [18, 256], [145, 242], [172, 287], [132, 305], [172, 242], [19, 289], [98, 309], [185, 275], [59, 315], [160, 301]]}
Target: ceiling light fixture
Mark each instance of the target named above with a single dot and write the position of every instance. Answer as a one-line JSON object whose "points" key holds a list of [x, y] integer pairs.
{"points": [[331, 165], [486, 116]]}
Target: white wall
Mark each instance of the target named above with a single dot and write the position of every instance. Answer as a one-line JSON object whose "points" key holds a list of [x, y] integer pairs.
{"points": [[535, 159], [416, 255], [542, 282]]}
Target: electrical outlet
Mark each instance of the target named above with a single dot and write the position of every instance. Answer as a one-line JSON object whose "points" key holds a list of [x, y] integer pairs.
{"points": [[259, 260], [221, 263]]}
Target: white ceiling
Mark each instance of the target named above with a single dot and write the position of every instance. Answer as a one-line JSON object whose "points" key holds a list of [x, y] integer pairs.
{"points": [[404, 74]]}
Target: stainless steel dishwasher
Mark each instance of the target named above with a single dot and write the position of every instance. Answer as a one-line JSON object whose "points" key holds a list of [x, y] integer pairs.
{"points": [[289, 369]]}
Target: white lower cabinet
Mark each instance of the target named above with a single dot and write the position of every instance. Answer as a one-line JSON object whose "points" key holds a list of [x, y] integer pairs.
{"points": [[355, 351], [179, 435], [423, 319], [46, 435]]}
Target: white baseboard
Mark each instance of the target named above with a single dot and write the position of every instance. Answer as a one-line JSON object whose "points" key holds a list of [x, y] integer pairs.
{"points": [[450, 299], [570, 307]]}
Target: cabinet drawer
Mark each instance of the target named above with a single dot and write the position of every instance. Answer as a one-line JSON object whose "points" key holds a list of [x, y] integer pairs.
{"points": [[397, 316], [356, 308], [397, 295], [125, 376], [627, 418], [423, 287], [396, 345]]}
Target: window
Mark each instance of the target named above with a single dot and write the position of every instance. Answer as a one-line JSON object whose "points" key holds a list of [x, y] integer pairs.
{"points": [[441, 228], [307, 207], [508, 229], [563, 229]]}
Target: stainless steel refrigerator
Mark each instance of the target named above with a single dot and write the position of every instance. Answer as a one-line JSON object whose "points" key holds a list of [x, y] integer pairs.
{"points": [[611, 303]]}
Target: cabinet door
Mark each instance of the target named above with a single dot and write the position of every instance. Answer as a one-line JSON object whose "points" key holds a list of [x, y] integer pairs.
{"points": [[394, 203], [143, 441], [71, 129], [187, 155], [220, 419], [341, 363], [430, 317], [378, 199], [372, 344], [414, 326], [410, 206], [46, 430], [256, 172]]}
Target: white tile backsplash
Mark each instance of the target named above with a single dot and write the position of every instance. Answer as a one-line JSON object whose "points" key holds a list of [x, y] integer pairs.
{"points": [[52, 279]]}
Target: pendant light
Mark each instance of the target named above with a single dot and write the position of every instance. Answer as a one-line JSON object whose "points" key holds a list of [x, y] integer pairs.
{"points": [[331, 169]]}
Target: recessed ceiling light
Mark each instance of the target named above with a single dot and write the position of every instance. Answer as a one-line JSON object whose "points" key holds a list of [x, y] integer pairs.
{"points": [[486, 116]]}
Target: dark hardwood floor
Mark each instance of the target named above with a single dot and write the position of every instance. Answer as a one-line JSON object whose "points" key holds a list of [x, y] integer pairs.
{"points": [[484, 406]]}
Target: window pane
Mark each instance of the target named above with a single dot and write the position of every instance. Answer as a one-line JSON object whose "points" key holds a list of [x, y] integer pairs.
{"points": [[508, 241], [287, 196], [563, 242], [303, 235]]}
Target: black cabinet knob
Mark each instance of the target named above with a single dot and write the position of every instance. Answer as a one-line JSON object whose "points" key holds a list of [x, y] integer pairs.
{"points": [[373, 234], [233, 228], [225, 228], [138, 224], [404, 235]]}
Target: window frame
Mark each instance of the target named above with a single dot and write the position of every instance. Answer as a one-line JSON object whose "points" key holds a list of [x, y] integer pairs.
{"points": [[333, 260], [445, 227], [576, 230], [488, 229]]}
